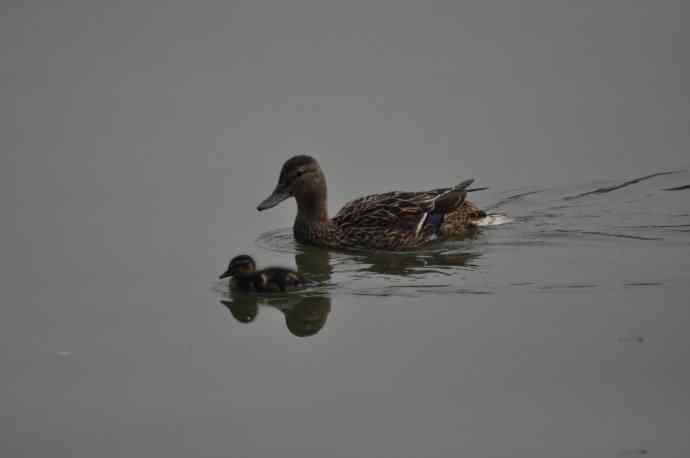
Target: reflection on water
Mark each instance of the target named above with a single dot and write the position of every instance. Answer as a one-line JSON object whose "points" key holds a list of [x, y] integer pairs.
{"points": [[305, 315], [244, 307], [319, 263], [555, 226], [305, 310], [410, 264]]}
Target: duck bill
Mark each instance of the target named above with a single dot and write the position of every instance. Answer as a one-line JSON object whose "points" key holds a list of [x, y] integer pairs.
{"points": [[225, 274], [274, 199]]}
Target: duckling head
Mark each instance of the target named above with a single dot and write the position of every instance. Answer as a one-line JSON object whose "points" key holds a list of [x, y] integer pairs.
{"points": [[239, 265], [301, 178]]}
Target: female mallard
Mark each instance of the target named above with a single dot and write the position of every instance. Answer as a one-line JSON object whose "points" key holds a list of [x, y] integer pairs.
{"points": [[389, 221], [247, 278]]}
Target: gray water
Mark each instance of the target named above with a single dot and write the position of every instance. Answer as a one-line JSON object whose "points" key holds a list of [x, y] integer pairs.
{"points": [[137, 141]]}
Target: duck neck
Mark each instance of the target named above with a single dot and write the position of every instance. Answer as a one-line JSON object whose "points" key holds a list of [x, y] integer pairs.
{"points": [[311, 223], [311, 208]]}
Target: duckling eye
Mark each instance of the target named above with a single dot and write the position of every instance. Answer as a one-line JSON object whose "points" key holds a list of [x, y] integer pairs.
{"points": [[299, 173]]}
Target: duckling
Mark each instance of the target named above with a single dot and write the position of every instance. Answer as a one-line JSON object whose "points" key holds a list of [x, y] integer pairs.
{"points": [[389, 221], [243, 269]]}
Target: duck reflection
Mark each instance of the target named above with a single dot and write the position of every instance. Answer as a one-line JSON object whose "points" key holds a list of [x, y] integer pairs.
{"points": [[308, 316], [408, 264], [305, 311], [244, 308]]}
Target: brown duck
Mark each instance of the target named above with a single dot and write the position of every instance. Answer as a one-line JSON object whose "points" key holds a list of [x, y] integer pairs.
{"points": [[389, 221]]}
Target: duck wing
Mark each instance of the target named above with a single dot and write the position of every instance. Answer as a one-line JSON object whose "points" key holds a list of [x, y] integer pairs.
{"points": [[400, 211]]}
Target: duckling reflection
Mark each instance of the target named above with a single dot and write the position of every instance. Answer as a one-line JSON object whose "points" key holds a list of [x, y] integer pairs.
{"points": [[306, 310], [304, 316], [244, 308]]}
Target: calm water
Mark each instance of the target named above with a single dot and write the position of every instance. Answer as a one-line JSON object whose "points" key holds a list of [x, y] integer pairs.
{"points": [[138, 139], [561, 333]]}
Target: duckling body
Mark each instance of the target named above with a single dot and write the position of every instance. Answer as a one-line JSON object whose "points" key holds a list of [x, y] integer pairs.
{"points": [[388, 221], [272, 279]]}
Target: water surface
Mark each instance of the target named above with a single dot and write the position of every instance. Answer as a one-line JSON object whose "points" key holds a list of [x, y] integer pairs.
{"points": [[566, 323], [138, 138]]}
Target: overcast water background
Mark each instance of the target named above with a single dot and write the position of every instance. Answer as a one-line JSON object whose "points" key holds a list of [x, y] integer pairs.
{"points": [[138, 138]]}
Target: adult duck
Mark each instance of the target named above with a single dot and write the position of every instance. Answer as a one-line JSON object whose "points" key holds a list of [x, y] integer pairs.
{"points": [[389, 221]]}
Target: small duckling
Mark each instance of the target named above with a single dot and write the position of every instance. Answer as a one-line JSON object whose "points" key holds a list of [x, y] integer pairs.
{"points": [[243, 269]]}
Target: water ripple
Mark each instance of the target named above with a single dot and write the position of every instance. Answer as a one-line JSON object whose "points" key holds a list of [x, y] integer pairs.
{"points": [[678, 188], [607, 189], [541, 223]]}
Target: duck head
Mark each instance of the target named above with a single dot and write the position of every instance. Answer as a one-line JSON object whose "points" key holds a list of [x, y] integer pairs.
{"points": [[301, 178], [239, 265]]}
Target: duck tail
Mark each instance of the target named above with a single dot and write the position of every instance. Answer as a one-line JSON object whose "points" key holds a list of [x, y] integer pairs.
{"points": [[463, 185], [453, 197], [446, 201], [483, 188]]}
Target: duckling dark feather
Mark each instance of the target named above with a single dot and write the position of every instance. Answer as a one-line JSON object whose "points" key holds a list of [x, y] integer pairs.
{"points": [[243, 270]]}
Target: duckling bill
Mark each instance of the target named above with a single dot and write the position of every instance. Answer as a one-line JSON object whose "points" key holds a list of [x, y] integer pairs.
{"points": [[243, 271]]}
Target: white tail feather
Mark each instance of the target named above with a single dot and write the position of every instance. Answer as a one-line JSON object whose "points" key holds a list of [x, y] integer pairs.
{"points": [[494, 220]]}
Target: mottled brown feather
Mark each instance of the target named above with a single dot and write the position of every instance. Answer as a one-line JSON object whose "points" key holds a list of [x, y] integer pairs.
{"points": [[388, 221]]}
